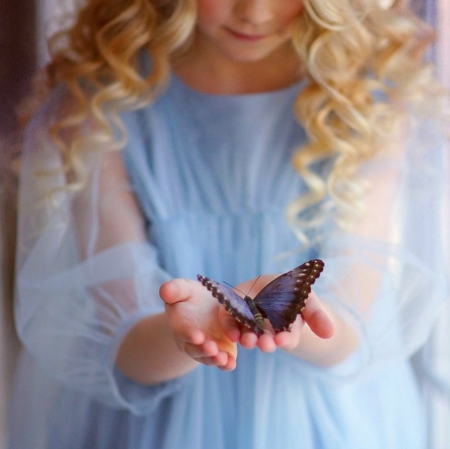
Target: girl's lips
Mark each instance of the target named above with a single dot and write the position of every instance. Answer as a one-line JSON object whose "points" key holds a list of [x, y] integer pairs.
{"points": [[246, 37]]}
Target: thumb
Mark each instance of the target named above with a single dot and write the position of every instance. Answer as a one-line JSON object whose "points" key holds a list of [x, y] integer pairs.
{"points": [[317, 319], [176, 290]]}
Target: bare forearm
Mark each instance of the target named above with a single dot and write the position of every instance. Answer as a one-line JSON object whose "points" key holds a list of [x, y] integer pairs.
{"points": [[149, 355]]}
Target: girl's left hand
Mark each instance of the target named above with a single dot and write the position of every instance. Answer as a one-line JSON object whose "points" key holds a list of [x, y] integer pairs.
{"points": [[312, 316]]}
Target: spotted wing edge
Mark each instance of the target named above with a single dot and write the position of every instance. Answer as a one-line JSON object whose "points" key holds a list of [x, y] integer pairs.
{"points": [[310, 272], [233, 303]]}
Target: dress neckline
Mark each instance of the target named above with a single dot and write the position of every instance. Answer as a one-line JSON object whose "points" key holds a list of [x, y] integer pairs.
{"points": [[176, 81]]}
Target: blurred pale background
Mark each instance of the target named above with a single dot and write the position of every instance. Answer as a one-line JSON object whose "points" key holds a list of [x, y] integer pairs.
{"points": [[24, 27]]}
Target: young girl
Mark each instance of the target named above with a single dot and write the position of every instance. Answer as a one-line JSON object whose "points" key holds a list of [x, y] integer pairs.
{"points": [[228, 138]]}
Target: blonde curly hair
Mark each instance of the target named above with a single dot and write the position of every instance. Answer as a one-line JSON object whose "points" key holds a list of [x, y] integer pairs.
{"points": [[361, 59], [348, 49]]}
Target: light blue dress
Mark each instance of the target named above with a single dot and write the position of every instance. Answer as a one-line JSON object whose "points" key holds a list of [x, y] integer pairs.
{"points": [[213, 177]]}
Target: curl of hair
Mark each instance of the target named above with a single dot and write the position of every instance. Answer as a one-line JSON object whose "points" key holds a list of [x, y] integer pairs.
{"points": [[355, 54], [100, 60]]}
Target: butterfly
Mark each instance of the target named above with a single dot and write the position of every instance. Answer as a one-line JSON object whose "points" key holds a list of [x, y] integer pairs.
{"points": [[280, 301]]}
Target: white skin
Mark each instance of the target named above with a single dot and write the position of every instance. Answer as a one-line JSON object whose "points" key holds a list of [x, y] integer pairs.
{"points": [[240, 46]]}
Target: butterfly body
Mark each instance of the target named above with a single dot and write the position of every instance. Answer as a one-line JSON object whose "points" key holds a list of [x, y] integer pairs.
{"points": [[280, 301], [258, 313]]}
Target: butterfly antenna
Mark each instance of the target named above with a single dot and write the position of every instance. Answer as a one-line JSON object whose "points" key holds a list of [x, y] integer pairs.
{"points": [[251, 288], [240, 291], [234, 288]]}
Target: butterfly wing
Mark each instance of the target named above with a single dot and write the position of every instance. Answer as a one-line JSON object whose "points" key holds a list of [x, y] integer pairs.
{"points": [[232, 302], [284, 298]]}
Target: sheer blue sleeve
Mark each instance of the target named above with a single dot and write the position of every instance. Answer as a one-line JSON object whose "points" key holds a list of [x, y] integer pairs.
{"points": [[387, 273], [85, 270]]}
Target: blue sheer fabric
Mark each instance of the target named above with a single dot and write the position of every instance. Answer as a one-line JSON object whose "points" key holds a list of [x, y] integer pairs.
{"points": [[213, 177]]}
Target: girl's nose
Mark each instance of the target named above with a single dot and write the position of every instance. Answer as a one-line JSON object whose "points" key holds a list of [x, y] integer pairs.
{"points": [[255, 12]]}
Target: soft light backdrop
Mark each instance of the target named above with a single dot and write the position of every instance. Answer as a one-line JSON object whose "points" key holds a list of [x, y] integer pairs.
{"points": [[24, 24]]}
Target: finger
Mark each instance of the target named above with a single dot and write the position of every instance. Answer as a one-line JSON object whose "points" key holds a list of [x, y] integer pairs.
{"points": [[176, 290], [208, 354], [288, 340], [266, 343], [316, 317], [230, 365], [223, 361], [207, 361], [229, 325], [207, 349], [249, 339], [189, 336]]}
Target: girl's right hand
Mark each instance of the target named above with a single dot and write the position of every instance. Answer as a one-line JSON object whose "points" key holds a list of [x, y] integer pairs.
{"points": [[194, 320]]}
